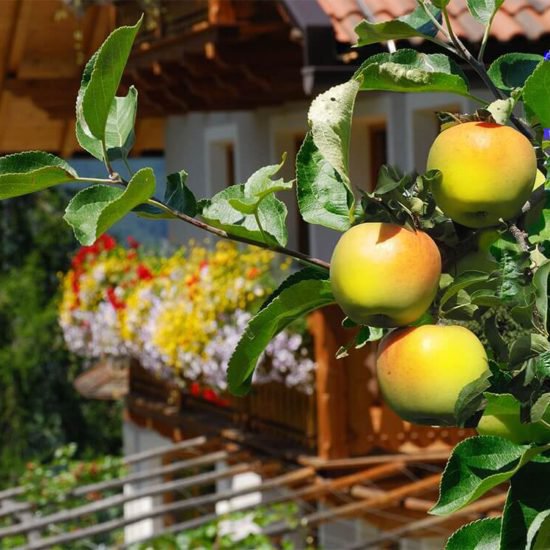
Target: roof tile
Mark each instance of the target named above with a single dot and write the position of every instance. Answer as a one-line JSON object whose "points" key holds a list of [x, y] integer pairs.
{"points": [[530, 18]]}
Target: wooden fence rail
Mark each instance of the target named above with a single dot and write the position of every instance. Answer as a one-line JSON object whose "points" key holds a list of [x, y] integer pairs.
{"points": [[296, 476]]}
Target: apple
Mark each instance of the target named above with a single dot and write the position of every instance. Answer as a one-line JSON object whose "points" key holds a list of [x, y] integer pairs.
{"points": [[479, 259], [422, 370], [487, 172], [502, 418], [384, 275]]}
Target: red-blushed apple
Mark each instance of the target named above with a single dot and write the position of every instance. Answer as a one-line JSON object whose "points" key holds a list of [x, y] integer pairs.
{"points": [[384, 275]]}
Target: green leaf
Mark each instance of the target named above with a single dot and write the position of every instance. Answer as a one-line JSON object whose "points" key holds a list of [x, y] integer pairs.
{"points": [[24, 173], [538, 220], [119, 130], [219, 212], [306, 274], [102, 78], [388, 180], [511, 70], [497, 343], [464, 280], [482, 534], [501, 109], [527, 506], [258, 187], [475, 466], [539, 408], [329, 118], [471, 397], [535, 93], [410, 71], [323, 198], [540, 283], [362, 338], [293, 302], [527, 346], [415, 24], [92, 211], [484, 10], [83, 135], [542, 540], [178, 196]]}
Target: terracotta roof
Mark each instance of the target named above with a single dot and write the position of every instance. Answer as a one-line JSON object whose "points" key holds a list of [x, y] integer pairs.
{"points": [[529, 18]]}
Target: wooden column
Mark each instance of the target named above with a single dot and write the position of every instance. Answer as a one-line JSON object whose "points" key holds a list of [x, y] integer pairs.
{"points": [[332, 390]]}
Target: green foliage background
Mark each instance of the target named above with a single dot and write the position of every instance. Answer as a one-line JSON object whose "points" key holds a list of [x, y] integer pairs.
{"points": [[39, 408]]}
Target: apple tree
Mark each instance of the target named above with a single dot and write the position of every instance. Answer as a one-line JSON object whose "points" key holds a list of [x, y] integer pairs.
{"points": [[449, 267]]}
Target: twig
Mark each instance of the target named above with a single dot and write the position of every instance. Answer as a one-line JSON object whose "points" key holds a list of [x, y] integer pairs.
{"points": [[107, 162], [520, 236], [225, 235]]}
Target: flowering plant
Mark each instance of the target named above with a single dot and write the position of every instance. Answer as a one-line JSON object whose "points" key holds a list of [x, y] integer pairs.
{"points": [[181, 315]]}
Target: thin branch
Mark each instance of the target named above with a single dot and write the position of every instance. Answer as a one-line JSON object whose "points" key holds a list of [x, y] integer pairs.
{"points": [[95, 180], [106, 161], [479, 68], [300, 256], [484, 40], [520, 236], [127, 164]]}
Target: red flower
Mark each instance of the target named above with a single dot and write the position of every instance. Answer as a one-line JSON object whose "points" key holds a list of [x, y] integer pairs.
{"points": [[132, 243], [210, 395], [203, 264], [195, 389], [252, 273], [192, 280], [106, 242], [144, 273], [114, 300]]}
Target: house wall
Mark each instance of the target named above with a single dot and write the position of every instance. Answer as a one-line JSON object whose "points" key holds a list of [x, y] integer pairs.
{"points": [[198, 141], [135, 440]]}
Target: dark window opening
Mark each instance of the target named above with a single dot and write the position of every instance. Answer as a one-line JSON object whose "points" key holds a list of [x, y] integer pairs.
{"points": [[230, 176], [378, 151]]}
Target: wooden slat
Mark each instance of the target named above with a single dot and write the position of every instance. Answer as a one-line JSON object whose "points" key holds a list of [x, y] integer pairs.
{"points": [[361, 461], [19, 37], [475, 509], [159, 451], [307, 493], [284, 480], [119, 500]]}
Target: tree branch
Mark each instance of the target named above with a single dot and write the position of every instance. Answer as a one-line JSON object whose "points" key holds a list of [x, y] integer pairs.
{"points": [[520, 236], [300, 256]]}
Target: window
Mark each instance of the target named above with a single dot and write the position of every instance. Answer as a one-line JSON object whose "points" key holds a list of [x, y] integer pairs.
{"points": [[230, 177], [377, 151]]}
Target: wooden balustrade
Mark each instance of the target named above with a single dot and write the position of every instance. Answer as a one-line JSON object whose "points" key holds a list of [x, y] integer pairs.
{"points": [[344, 417]]}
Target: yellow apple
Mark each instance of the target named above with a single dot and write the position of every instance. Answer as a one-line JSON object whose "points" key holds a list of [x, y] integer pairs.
{"points": [[384, 275], [421, 370], [502, 418], [488, 172]]}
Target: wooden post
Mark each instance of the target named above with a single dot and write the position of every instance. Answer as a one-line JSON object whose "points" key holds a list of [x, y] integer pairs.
{"points": [[359, 366], [332, 388]]}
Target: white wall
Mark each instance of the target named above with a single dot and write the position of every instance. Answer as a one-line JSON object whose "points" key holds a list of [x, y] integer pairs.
{"points": [[260, 137], [135, 440]]}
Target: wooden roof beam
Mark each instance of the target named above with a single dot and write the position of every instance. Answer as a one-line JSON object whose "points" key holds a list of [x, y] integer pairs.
{"points": [[19, 36]]}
